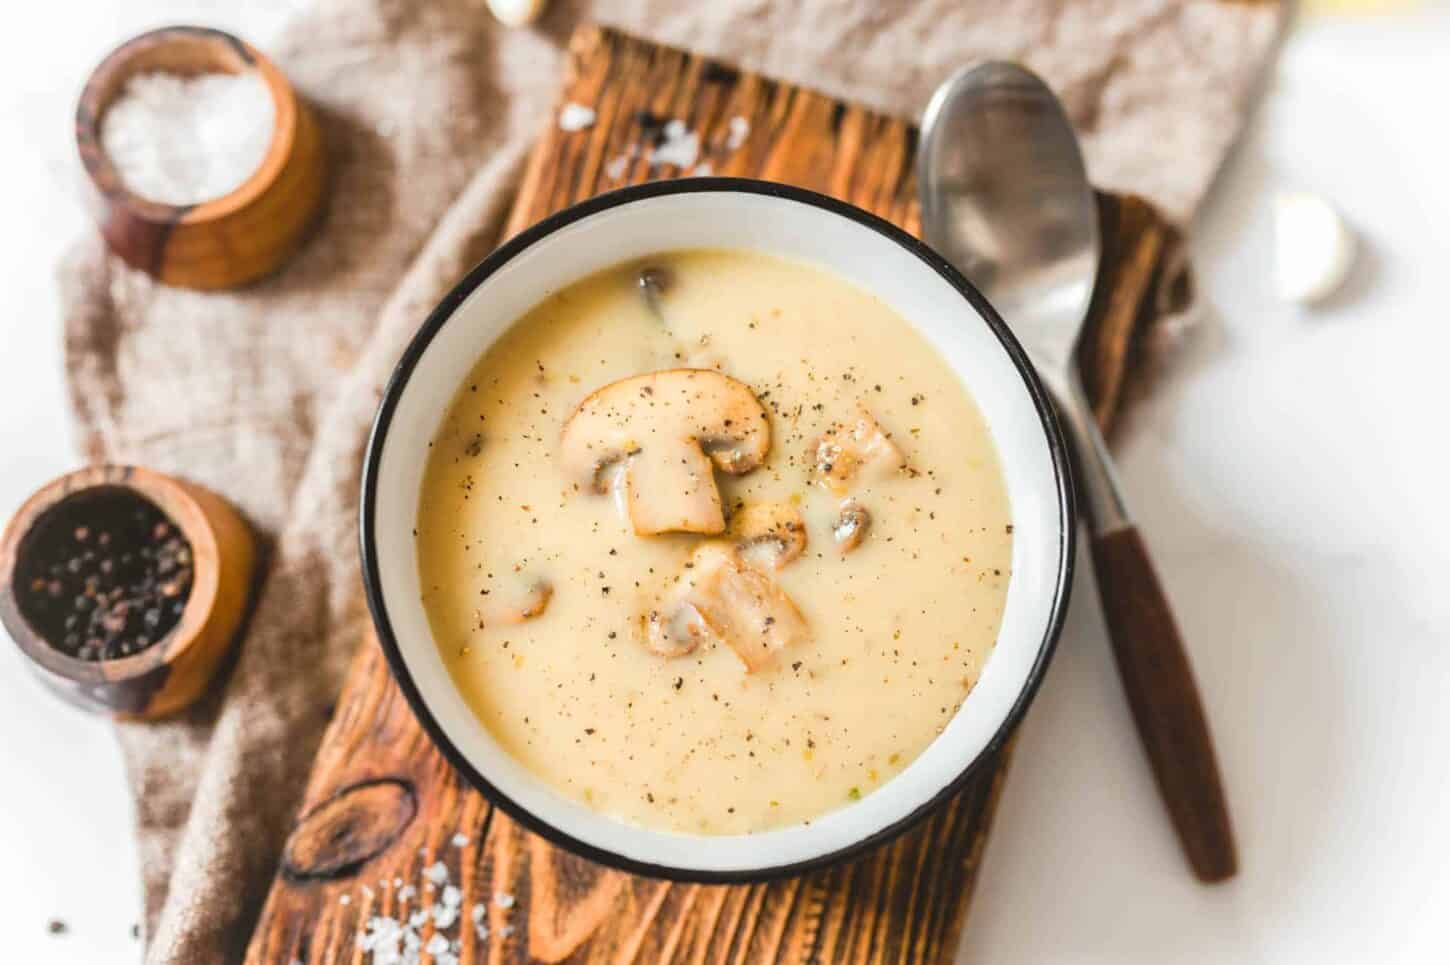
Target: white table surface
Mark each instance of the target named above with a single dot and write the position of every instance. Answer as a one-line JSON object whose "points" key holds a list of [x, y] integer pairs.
{"points": [[1289, 472]]}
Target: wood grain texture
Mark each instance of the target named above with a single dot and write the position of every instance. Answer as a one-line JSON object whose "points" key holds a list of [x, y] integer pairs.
{"points": [[382, 804], [1144, 275], [1159, 683]]}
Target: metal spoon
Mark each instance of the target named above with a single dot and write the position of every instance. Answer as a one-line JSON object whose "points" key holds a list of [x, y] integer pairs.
{"points": [[1005, 197]]}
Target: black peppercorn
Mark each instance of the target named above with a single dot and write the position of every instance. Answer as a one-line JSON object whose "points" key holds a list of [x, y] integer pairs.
{"points": [[117, 599]]}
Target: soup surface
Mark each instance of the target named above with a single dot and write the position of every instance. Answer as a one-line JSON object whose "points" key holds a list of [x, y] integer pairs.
{"points": [[714, 681]]}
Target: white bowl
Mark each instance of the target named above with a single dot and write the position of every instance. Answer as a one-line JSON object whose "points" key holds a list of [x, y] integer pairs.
{"points": [[764, 217]]}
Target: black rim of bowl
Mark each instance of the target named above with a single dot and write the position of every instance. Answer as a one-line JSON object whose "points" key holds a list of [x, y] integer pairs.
{"points": [[435, 321]]}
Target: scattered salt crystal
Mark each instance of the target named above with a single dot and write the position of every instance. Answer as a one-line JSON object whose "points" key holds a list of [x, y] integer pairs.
{"points": [[576, 117], [703, 170], [345, 900], [616, 167], [381, 937], [739, 131], [406, 892], [681, 146], [437, 872], [393, 941], [367, 892], [460, 840], [445, 915], [183, 140]]}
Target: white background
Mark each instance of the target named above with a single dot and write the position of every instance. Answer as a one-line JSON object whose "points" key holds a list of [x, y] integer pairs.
{"points": [[1289, 472]]}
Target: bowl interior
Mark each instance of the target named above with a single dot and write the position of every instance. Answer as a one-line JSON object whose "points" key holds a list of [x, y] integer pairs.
{"points": [[765, 218]]}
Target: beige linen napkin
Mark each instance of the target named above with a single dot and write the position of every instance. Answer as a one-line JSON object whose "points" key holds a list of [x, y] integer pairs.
{"points": [[265, 394]]}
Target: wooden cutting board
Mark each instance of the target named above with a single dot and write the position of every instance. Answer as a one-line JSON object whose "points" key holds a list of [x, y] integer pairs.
{"points": [[383, 808]]}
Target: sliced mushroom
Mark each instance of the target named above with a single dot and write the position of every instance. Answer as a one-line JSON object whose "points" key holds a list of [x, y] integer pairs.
{"points": [[525, 605], [669, 426], [859, 448], [769, 535], [720, 596], [850, 526], [676, 631]]}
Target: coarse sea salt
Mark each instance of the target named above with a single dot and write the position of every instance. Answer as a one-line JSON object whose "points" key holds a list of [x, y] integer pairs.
{"points": [[617, 166], [576, 117], [445, 915], [680, 146], [386, 940], [739, 131], [184, 140]]}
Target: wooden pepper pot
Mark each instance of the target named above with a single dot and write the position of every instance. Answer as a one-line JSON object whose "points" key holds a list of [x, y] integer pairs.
{"points": [[173, 672], [221, 242]]}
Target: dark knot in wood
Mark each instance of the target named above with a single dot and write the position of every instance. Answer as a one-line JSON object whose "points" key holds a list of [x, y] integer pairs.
{"points": [[343, 833]]}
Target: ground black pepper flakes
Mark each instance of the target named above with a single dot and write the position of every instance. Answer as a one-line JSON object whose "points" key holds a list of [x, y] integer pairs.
{"points": [[105, 574]]}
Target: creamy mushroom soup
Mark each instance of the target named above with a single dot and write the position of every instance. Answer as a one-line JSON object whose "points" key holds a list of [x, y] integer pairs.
{"points": [[714, 543]]}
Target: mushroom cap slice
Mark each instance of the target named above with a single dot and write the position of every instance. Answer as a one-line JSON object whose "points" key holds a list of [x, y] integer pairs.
{"points": [[515, 605], [770, 533], [742, 607], [670, 426], [524, 605], [850, 526], [676, 631], [859, 448]]}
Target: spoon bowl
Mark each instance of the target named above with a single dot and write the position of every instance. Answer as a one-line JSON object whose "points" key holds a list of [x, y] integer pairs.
{"points": [[1010, 204]]}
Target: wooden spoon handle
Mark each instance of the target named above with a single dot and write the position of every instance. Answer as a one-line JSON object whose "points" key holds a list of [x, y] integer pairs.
{"points": [[1164, 699]]}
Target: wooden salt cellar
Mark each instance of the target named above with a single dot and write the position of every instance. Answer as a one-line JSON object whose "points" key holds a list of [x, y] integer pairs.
{"points": [[227, 241], [175, 671]]}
